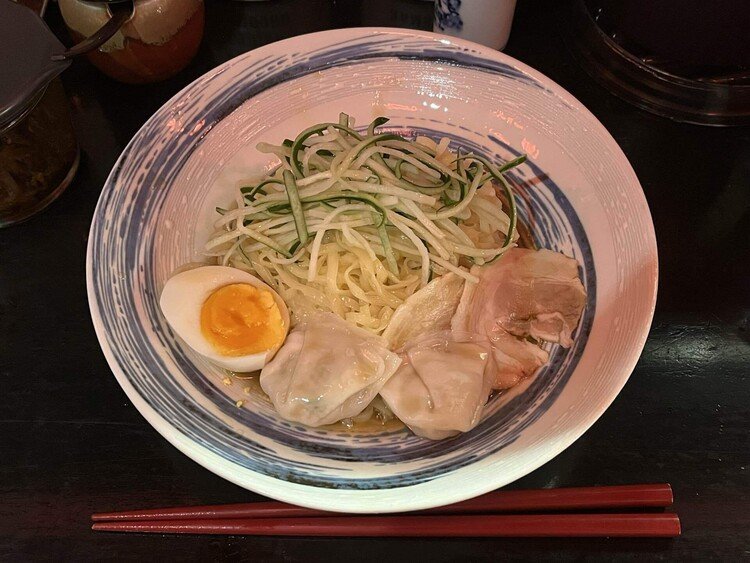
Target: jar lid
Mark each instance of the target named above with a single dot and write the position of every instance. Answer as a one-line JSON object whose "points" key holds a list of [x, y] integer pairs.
{"points": [[26, 65]]}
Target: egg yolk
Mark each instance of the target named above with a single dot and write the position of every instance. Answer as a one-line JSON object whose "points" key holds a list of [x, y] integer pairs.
{"points": [[241, 319]]}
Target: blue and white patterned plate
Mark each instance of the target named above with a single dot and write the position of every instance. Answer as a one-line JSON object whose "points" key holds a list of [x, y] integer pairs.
{"points": [[577, 192]]}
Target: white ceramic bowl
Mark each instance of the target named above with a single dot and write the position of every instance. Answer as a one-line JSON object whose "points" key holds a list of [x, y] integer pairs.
{"points": [[577, 191]]}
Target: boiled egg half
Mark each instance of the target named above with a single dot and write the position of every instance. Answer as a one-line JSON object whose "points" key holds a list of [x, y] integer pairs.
{"points": [[229, 316]]}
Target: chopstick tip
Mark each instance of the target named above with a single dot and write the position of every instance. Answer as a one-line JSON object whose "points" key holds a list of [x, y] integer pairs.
{"points": [[99, 516], [671, 493]]}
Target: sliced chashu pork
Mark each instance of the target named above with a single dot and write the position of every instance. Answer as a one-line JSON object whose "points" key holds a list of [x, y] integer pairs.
{"points": [[526, 293]]}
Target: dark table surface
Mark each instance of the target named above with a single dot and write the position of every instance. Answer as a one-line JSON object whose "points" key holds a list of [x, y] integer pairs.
{"points": [[71, 444]]}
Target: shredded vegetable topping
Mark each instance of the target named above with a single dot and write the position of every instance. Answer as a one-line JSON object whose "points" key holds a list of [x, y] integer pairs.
{"points": [[355, 222]]}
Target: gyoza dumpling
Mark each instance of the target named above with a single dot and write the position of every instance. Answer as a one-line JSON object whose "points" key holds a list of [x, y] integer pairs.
{"points": [[327, 370], [428, 310], [441, 388]]}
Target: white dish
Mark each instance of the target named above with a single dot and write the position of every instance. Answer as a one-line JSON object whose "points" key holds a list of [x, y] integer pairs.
{"points": [[578, 192]]}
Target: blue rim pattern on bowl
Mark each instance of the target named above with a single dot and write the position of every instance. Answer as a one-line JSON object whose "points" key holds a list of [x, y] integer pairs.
{"points": [[127, 242]]}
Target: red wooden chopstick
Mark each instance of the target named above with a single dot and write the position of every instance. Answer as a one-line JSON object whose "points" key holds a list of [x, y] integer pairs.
{"points": [[516, 525], [580, 498]]}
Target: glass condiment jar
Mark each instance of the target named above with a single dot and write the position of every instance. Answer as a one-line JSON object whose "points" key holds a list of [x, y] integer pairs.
{"points": [[158, 41], [38, 156], [38, 149]]}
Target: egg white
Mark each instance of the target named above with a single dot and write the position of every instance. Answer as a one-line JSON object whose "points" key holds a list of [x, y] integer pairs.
{"points": [[182, 299]]}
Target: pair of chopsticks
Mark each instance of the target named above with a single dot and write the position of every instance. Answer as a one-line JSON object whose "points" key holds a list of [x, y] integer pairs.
{"points": [[476, 517]]}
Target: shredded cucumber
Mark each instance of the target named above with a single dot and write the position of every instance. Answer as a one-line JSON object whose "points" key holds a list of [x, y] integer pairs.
{"points": [[354, 221], [295, 205]]}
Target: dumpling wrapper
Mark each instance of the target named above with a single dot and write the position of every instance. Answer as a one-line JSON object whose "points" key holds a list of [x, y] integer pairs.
{"points": [[428, 310], [441, 388], [327, 370], [534, 293]]}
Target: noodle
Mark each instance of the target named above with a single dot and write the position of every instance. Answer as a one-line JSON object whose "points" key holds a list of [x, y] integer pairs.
{"points": [[383, 216]]}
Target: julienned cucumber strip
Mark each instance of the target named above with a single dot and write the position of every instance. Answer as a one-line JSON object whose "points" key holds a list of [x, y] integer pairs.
{"points": [[298, 143], [450, 188], [296, 205], [284, 208]]}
